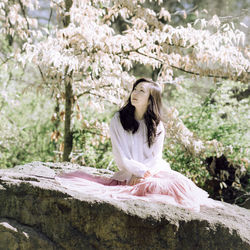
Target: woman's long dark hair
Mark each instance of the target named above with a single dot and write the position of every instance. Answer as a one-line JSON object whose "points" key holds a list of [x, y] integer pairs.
{"points": [[152, 115]]}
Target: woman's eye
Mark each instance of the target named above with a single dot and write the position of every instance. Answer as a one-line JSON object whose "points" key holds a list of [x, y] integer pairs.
{"points": [[141, 90]]}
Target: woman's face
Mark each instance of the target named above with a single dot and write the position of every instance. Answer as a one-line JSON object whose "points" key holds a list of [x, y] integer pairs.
{"points": [[140, 95]]}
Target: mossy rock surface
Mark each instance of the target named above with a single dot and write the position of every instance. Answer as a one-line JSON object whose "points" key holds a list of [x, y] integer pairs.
{"points": [[37, 213]]}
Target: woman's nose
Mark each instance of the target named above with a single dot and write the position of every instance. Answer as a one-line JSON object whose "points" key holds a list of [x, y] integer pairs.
{"points": [[135, 94]]}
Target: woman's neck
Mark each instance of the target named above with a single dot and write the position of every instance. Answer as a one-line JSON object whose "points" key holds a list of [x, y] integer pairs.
{"points": [[139, 113]]}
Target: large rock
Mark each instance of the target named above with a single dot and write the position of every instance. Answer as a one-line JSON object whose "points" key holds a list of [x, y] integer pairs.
{"points": [[37, 213]]}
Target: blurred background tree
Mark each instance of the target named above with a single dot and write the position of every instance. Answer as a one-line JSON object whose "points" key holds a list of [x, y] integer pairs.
{"points": [[66, 67]]}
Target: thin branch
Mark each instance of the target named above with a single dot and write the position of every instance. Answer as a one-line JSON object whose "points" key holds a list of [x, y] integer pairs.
{"points": [[9, 58], [159, 73], [179, 12], [129, 51], [89, 90], [58, 5], [50, 15], [181, 69], [40, 70], [90, 131], [244, 13], [195, 73], [205, 103], [24, 14], [6, 60], [103, 97], [83, 93]]}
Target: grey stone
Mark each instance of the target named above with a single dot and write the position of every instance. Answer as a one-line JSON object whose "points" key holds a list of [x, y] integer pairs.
{"points": [[14, 236], [37, 213]]}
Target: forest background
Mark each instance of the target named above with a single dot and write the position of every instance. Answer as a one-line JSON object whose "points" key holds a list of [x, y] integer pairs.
{"points": [[67, 66]]}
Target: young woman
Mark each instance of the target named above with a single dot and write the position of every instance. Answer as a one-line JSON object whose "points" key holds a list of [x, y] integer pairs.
{"points": [[137, 135]]}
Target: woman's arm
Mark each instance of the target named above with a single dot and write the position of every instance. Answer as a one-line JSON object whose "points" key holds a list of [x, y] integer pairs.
{"points": [[155, 162], [157, 147], [121, 156]]}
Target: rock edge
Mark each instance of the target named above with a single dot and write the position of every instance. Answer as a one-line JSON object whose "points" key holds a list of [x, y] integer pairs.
{"points": [[37, 213]]}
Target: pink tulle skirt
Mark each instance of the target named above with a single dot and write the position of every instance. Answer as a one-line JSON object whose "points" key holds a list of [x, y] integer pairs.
{"points": [[169, 187]]}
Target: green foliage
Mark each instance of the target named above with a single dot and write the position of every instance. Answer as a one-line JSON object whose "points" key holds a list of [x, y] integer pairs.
{"points": [[209, 110], [25, 127], [184, 163], [91, 151], [220, 116], [212, 112], [92, 147]]}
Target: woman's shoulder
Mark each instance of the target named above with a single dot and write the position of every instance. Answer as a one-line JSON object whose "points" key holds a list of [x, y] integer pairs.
{"points": [[116, 116], [115, 119], [160, 127]]}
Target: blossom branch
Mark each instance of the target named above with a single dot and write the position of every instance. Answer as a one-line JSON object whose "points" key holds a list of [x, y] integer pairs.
{"points": [[24, 14], [89, 90], [181, 69]]}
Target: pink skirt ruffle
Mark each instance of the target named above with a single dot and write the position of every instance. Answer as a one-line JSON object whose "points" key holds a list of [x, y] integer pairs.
{"points": [[169, 187]]}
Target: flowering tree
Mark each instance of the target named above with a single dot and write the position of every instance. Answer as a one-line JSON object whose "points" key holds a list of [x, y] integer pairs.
{"points": [[83, 54]]}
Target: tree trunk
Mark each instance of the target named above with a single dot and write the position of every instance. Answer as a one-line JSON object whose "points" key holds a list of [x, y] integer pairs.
{"points": [[66, 18], [68, 137]]}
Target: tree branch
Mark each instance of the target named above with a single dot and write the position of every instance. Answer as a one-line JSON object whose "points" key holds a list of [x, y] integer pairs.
{"points": [[129, 51], [50, 15], [89, 90], [40, 70], [90, 131], [181, 69], [103, 97], [6, 60], [24, 14]]}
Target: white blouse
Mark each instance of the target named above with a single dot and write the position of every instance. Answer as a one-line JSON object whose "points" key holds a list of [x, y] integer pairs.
{"points": [[131, 152]]}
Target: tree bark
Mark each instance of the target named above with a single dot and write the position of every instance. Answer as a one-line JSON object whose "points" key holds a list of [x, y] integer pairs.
{"points": [[66, 18], [68, 136]]}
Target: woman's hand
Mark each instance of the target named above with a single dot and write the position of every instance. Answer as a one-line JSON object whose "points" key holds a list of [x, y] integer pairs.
{"points": [[147, 174], [135, 180]]}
